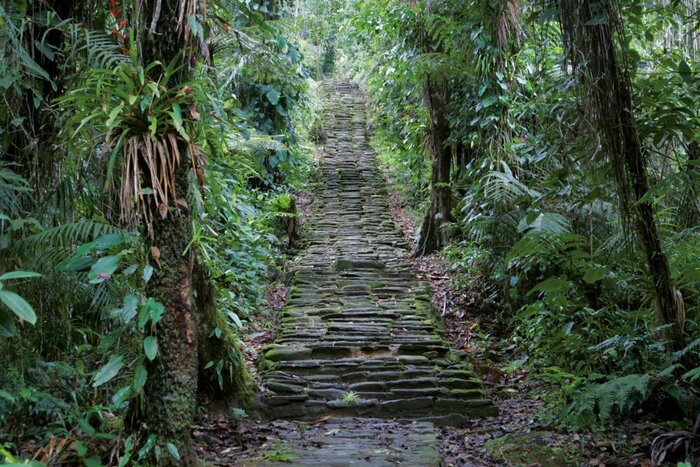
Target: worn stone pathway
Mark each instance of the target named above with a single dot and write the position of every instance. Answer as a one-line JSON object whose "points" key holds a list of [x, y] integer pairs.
{"points": [[358, 340]]}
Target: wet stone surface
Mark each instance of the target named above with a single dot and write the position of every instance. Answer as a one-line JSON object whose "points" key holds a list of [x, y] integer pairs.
{"points": [[358, 337]]}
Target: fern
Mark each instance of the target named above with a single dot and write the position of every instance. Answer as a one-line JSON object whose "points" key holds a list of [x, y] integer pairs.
{"points": [[599, 402], [55, 244], [12, 189], [98, 48]]}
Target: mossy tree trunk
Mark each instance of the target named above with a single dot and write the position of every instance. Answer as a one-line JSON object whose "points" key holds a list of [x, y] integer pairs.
{"points": [[169, 404], [171, 391], [432, 234]]}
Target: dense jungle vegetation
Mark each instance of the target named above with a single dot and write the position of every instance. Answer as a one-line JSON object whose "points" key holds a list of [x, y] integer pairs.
{"points": [[151, 152]]}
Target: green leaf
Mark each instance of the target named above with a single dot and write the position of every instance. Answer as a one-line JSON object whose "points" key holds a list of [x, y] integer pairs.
{"points": [[551, 285], [146, 103], [128, 310], [86, 427], [104, 268], [7, 325], [595, 274], [18, 306], [93, 461], [152, 125], [600, 18], [77, 263], [7, 396], [109, 371], [109, 241], [489, 101], [273, 95], [151, 311], [234, 317], [140, 377], [80, 448], [147, 272], [121, 397], [198, 31], [177, 115], [113, 116], [150, 347], [19, 275], [148, 446], [172, 449]]}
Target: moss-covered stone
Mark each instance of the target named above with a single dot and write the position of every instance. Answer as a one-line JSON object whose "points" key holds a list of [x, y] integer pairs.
{"points": [[282, 353], [531, 449]]}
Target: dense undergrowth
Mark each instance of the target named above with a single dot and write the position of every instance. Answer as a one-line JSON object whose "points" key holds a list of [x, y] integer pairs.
{"points": [[80, 329], [539, 224], [586, 242]]}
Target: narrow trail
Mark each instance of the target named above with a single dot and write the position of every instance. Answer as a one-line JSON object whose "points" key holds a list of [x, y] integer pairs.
{"points": [[359, 345]]}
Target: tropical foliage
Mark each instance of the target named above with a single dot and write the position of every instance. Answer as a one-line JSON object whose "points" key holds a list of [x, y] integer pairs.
{"points": [[549, 150]]}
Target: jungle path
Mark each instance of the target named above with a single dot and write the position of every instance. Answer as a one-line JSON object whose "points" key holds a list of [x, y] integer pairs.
{"points": [[359, 345]]}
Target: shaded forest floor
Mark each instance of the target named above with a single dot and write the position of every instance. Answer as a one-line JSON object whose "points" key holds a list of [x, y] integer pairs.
{"points": [[517, 436]]}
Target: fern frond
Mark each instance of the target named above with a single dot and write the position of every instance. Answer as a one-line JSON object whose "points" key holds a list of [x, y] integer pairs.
{"points": [[12, 188], [55, 244], [599, 402]]}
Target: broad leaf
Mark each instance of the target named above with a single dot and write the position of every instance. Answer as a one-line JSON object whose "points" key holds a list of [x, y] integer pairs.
{"points": [[140, 377], [19, 275], [103, 269], [109, 371], [150, 347], [18, 306]]}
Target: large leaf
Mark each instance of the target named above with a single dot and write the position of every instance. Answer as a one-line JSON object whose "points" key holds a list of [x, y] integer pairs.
{"points": [[19, 275], [103, 269], [18, 306], [551, 285], [109, 371], [273, 95]]}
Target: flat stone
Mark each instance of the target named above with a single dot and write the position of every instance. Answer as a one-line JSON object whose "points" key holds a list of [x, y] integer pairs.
{"points": [[406, 404], [283, 387], [279, 354], [347, 264], [284, 400], [361, 403]]}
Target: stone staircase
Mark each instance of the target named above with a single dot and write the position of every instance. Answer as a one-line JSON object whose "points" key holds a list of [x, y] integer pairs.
{"points": [[358, 337]]}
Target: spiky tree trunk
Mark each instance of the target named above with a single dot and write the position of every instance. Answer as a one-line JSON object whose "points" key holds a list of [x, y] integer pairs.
{"points": [[588, 28], [432, 234], [170, 394]]}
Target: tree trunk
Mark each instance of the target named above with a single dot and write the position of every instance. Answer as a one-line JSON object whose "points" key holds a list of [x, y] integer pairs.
{"points": [[688, 210], [171, 391], [432, 234], [170, 395], [590, 44]]}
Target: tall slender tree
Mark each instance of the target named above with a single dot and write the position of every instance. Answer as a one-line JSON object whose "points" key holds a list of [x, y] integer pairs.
{"points": [[433, 235], [589, 31]]}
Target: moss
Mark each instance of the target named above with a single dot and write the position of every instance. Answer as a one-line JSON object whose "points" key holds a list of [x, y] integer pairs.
{"points": [[530, 449], [232, 381], [283, 353]]}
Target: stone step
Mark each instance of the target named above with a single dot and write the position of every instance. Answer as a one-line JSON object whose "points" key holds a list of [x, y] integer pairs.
{"points": [[358, 334]]}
